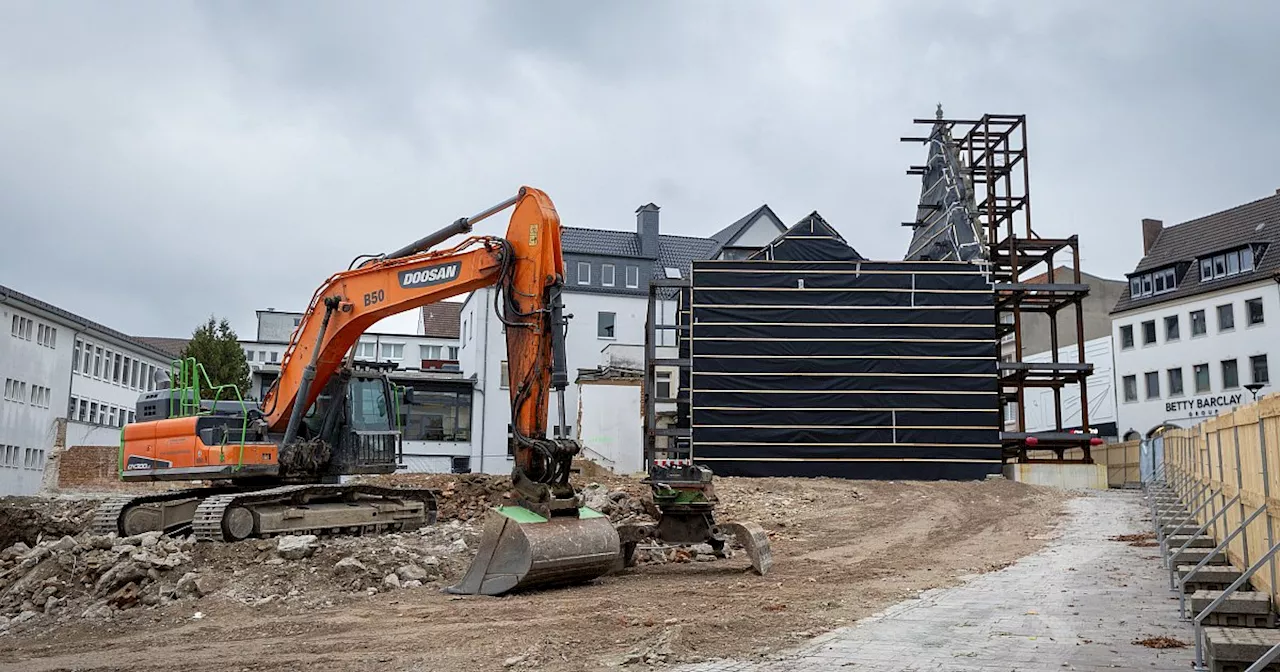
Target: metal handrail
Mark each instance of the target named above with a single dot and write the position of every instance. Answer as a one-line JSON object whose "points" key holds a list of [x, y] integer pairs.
{"points": [[1266, 659], [1235, 585], [1182, 593], [1190, 517], [1168, 557]]}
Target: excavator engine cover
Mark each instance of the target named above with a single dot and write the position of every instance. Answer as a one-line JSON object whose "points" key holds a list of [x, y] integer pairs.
{"points": [[521, 549]]}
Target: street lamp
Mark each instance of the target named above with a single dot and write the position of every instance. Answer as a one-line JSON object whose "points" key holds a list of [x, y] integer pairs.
{"points": [[1254, 387]]}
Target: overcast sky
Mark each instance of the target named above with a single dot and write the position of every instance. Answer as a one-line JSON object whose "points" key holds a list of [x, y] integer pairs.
{"points": [[161, 161]]}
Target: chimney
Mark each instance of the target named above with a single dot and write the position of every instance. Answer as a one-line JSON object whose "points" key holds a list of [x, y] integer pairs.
{"points": [[1151, 229], [647, 229]]}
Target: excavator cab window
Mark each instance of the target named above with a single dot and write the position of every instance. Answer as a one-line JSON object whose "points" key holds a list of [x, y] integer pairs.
{"points": [[370, 410]]}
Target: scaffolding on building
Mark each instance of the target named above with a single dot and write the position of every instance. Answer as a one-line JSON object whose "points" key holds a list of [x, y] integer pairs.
{"points": [[977, 182]]}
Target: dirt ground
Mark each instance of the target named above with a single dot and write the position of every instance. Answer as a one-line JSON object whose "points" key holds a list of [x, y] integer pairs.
{"points": [[842, 550]]}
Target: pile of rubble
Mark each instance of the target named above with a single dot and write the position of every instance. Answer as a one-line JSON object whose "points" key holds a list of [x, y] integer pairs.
{"points": [[55, 571], [90, 576], [31, 519]]}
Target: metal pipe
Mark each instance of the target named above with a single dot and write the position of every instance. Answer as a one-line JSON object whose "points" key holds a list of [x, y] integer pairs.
{"points": [[1182, 594], [462, 225], [1266, 493], [1231, 589], [308, 375], [1174, 568], [1265, 660]]}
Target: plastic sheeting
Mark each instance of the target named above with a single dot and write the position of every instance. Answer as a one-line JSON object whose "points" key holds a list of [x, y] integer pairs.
{"points": [[852, 369]]}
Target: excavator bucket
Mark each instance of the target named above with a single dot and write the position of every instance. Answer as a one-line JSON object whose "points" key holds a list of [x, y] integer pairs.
{"points": [[521, 549]]}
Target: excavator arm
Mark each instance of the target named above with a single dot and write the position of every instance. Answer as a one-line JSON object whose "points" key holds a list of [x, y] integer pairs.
{"points": [[546, 536]]}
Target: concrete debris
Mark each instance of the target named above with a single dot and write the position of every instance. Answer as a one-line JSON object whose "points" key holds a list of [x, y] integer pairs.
{"points": [[411, 573], [349, 565], [297, 546], [391, 581]]}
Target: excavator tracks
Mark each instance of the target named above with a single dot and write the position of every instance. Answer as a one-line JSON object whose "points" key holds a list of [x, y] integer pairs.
{"points": [[313, 509], [109, 516]]}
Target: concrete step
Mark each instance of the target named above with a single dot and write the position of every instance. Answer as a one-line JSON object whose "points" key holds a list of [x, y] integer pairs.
{"points": [[1235, 649], [1242, 610], [1202, 541], [1210, 577], [1182, 530], [1193, 556]]}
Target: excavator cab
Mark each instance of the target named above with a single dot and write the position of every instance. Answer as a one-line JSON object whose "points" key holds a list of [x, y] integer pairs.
{"points": [[360, 433]]}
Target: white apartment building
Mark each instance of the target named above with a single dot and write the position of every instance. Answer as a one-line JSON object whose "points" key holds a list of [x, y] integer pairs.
{"points": [[57, 365], [606, 292], [1197, 327]]}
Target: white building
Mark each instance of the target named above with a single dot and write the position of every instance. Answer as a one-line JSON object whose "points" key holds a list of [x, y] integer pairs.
{"points": [[56, 365], [1198, 323], [606, 292]]}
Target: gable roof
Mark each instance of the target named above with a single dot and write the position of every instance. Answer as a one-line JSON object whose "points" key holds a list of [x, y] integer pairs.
{"points": [[1256, 222], [442, 319], [811, 239], [729, 235]]}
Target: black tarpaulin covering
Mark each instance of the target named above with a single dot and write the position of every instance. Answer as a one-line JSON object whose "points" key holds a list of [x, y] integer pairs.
{"points": [[812, 239], [851, 368]]}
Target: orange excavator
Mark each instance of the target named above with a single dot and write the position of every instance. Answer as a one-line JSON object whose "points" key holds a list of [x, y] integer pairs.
{"points": [[276, 468]]}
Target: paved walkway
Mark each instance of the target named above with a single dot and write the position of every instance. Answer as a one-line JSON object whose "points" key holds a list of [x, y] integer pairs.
{"points": [[1077, 605]]}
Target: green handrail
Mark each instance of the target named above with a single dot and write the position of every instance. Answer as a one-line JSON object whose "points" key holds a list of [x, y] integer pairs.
{"points": [[184, 398]]}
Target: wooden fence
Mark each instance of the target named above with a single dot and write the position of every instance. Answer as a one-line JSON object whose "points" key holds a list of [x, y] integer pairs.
{"points": [[1122, 460], [1230, 465]]}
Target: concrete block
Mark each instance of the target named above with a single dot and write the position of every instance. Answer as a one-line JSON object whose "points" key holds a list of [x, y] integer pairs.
{"points": [[1193, 556], [1202, 541], [1245, 610], [1210, 577], [1183, 530], [1065, 476], [1234, 649]]}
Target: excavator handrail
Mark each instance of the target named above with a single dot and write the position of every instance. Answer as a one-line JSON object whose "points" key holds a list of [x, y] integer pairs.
{"points": [[189, 372]]}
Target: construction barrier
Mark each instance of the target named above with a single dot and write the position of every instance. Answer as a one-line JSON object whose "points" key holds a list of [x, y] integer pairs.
{"points": [[1229, 469], [1123, 461]]}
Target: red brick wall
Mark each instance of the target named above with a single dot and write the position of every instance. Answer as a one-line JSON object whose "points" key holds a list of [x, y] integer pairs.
{"points": [[92, 466]]}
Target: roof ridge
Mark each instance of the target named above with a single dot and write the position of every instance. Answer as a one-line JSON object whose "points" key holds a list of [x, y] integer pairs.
{"points": [[1223, 211]]}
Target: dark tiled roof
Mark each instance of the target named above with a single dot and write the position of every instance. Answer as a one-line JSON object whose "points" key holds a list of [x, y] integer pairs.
{"points": [[680, 252], [7, 293], [598, 241], [1206, 235], [173, 346], [442, 319]]}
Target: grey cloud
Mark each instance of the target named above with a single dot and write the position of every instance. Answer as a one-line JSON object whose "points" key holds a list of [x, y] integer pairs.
{"points": [[163, 160]]}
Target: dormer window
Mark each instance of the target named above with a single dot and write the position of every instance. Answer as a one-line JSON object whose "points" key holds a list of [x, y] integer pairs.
{"points": [[1227, 264], [1156, 282]]}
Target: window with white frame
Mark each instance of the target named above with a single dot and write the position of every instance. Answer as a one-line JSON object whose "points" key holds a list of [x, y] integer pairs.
{"points": [[1156, 282], [633, 276], [453, 352], [504, 375], [367, 350], [606, 275], [430, 351], [393, 350], [584, 273], [1227, 264]]}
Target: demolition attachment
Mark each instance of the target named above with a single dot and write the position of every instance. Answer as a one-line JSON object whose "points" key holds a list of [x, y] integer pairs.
{"points": [[687, 502]]}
